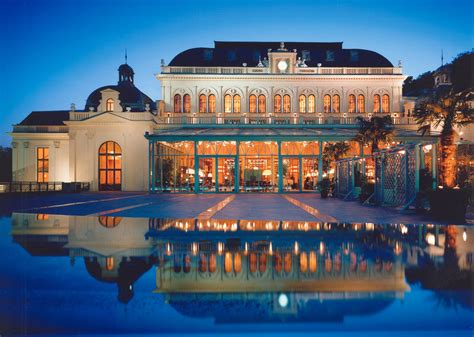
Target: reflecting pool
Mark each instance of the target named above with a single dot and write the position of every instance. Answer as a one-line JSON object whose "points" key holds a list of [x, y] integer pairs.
{"points": [[79, 274]]}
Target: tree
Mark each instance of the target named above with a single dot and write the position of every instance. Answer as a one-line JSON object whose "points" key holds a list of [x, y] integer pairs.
{"points": [[374, 131], [448, 112], [333, 152]]}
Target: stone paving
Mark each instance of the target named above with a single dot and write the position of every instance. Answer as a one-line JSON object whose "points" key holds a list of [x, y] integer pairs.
{"points": [[299, 207]]}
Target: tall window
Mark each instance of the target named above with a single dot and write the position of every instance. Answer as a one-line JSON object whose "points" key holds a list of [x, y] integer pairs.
{"points": [[202, 103], [187, 103], [236, 103], [109, 105], [110, 167], [376, 103], [252, 104], [327, 103], [302, 103], [352, 103], [227, 103], [262, 103], [42, 164], [277, 104], [286, 103], [361, 104], [311, 103], [212, 103], [336, 103], [385, 103], [177, 103]]}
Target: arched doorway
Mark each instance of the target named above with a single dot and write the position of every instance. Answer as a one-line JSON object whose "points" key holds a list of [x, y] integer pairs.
{"points": [[110, 167]]}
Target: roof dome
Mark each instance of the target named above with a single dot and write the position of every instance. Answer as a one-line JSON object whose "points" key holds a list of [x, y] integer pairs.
{"points": [[129, 95]]}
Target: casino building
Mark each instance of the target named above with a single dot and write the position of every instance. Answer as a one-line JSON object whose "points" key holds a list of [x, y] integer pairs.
{"points": [[239, 117]]}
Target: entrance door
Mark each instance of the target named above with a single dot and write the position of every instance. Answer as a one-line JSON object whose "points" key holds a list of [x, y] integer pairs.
{"points": [[207, 174], [291, 174], [110, 167], [226, 174], [310, 174]]}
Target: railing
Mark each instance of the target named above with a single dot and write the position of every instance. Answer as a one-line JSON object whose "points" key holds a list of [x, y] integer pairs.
{"points": [[133, 116], [34, 186], [274, 119], [267, 70], [40, 129]]}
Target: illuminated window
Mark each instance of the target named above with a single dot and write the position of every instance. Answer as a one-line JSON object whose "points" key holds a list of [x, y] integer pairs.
{"points": [[177, 103], [42, 164], [327, 103], [109, 105], [336, 103], [109, 263], [227, 103], [228, 262], [361, 104], [110, 166], [187, 103], [385, 103], [109, 221], [302, 103], [311, 103], [252, 104], [202, 103], [262, 104], [376, 103], [352, 103], [277, 104], [286, 103], [42, 217], [212, 103], [236, 103]]}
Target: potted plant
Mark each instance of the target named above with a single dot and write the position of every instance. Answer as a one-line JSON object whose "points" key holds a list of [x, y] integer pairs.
{"points": [[324, 187]]}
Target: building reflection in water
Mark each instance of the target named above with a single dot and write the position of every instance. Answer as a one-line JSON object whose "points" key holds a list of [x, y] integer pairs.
{"points": [[233, 270]]}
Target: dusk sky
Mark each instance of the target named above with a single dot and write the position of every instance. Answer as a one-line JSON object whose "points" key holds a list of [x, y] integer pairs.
{"points": [[54, 53]]}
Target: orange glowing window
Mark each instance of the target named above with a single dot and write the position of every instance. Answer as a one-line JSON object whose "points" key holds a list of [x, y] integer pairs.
{"points": [[303, 262], [212, 103], [352, 103], [187, 103], [262, 262], [262, 106], [237, 263], [277, 104], [42, 164], [311, 103], [228, 262], [327, 103], [42, 217], [109, 221], [385, 103], [110, 166], [252, 104], [336, 103], [109, 105], [376, 103], [202, 103], [287, 262], [277, 262], [236, 103], [302, 103], [177, 103], [286, 103], [313, 262], [227, 103], [361, 103], [253, 262], [109, 263]]}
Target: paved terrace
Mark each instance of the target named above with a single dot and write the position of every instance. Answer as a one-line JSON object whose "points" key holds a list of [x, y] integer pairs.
{"points": [[299, 207]]}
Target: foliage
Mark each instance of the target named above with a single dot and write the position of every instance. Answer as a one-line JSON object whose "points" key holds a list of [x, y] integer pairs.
{"points": [[422, 83], [332, 152], [447, 112], [324, 186], [374, 131]]}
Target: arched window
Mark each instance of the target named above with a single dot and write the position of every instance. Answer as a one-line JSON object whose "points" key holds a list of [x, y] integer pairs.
{"points": [[376, 103], [277, 104], [253, 104], [177, 103], [109, 221], [302, 103], [202, 103], [327, 103], [361, 103], [227, 103], [385, 103], [336, 103], [109, 105], [236, 103], [262, 104], [110, 167], [187, 103], [286, 103], [212, 103], [352, 103], [311, 103]]}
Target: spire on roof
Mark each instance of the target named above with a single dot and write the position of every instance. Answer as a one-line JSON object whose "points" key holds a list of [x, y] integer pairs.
{"points": [[126, 56]]}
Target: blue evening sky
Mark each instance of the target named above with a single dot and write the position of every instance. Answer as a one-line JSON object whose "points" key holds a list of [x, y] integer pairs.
{"points": [[56, 52]]}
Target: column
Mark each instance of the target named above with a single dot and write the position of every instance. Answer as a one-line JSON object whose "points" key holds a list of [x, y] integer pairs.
{"points": [[320, 161], [434, 165], [236, 169], [280, 169], [418, 165], [196, 167]]}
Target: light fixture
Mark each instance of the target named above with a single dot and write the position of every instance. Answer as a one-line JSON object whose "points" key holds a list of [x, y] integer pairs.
{"points": [[282, 65]]}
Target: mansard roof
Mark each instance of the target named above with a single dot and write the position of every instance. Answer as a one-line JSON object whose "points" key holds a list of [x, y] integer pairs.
{"points": [[57, 117], [234, 54]]}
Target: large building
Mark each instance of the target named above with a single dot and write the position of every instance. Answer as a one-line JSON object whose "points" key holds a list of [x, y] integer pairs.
{"points": [[239, 117]]}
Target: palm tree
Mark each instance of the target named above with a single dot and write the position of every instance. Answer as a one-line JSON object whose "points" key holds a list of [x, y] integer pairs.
{"points": [[333, 152], [448, 112], [374, 131]]}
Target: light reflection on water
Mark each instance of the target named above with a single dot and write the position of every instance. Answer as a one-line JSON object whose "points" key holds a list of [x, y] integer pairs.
{"points": [[208, 275]]}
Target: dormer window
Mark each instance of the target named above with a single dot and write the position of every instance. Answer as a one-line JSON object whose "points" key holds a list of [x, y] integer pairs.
{"points": [[109, 105], [329, 55]]}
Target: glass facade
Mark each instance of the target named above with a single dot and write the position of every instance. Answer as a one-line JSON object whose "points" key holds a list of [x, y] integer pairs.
{"points": [[238, 166]]}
